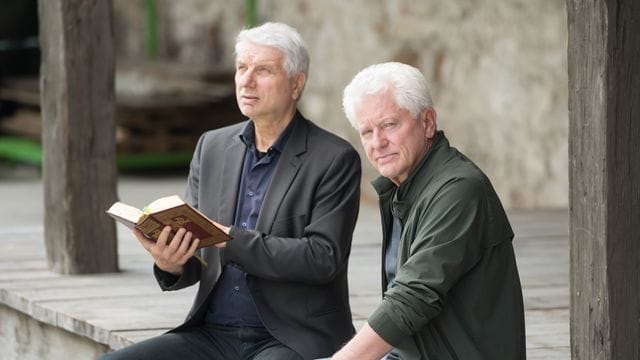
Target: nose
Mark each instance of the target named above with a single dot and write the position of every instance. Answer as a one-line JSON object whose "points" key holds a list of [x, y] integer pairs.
{"points": [[379, 141], [245, 79]]}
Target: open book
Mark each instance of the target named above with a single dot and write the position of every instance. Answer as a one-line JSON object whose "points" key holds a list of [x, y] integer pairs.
{"points": [[172, 211]]}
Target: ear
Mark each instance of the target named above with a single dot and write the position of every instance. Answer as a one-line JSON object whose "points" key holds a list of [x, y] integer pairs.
{"points": [[428, 117], [298, 84]]}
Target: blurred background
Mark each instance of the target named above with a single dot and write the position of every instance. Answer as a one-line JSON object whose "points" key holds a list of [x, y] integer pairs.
{"points": [[497, 71]]}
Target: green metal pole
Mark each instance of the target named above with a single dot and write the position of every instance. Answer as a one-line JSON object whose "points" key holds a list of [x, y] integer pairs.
{"points": [[251, 15], [152, 31]]}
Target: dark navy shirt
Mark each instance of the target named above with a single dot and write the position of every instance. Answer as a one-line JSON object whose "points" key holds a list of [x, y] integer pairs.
{"points": [[231, 303], [391, 255], [390, 264]]}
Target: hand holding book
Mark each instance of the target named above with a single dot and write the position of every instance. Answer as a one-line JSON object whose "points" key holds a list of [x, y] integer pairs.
{"points": [[172, 250], [172, 212]]}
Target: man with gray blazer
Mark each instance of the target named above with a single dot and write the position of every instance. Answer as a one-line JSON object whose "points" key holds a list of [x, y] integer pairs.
{"points": [[287, 192]]}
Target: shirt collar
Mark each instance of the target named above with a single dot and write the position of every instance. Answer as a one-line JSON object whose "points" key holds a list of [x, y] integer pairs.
{"points": [[248, 136]]}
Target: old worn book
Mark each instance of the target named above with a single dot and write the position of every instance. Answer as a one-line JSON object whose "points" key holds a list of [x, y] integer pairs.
{"points": [[172, 211]]}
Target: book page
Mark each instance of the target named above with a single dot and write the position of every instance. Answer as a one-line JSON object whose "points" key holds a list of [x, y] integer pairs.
{"points": [[125, 211], [163, 203]]}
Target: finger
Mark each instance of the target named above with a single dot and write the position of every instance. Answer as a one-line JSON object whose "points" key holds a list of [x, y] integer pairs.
{"points": [[162, 238], [186, 242], [177, 240], [192, 249]]}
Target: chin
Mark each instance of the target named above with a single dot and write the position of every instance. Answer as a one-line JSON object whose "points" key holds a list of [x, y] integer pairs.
{"points": [[388, 175], [246, 112], [387, 170]]}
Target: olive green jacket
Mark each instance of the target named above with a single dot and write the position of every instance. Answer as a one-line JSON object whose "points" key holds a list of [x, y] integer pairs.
{"points": [[457, 292]]}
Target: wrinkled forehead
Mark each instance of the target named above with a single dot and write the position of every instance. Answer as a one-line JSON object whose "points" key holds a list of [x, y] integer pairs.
{"points": [[375, 108]]}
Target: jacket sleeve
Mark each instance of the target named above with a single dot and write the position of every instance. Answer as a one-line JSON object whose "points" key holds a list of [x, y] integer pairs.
{"points": [[170, 282], [323, 249], [446, 242]]}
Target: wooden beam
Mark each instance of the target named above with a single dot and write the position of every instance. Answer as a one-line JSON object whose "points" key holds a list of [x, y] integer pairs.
{"points": [[77, 104], [604, 175]]}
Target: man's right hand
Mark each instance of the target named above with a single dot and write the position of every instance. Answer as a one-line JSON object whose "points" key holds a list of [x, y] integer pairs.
{"points": [[170, 256]]}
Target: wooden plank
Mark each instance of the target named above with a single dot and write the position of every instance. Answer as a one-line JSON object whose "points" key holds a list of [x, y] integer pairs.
{"points": [[549, 297], [115, 314], [120, 339], [604, 173], [79, 170], [547, 328], [555, 353]]}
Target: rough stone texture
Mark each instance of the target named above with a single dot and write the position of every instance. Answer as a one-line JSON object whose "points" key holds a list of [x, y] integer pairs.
{"points": [[22, 337], [497, 71]]}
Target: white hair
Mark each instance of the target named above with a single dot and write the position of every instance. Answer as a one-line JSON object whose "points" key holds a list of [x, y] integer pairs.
{"points": [[282, 37], [408, 85]]}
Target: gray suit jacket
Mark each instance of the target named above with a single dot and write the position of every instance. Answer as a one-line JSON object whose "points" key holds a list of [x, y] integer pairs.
{"points": [[296, 258]]}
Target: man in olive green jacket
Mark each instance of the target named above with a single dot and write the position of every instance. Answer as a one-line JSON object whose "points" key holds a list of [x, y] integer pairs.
{"points": [[452, 289]]}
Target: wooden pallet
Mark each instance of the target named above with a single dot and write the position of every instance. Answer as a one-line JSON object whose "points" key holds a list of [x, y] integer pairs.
{"points": [[170, 127], [144, 124], [24, 122]]}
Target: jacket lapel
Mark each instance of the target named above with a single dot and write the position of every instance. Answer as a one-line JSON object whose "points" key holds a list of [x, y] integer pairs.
{"points": [[285, 173], [231, 171]]}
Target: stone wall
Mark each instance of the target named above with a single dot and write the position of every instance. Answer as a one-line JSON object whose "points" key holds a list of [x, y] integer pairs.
{"points": [[24, 338], [497, 70]]}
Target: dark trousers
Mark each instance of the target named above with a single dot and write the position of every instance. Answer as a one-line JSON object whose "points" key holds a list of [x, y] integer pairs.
{"points": [[208, 342]]}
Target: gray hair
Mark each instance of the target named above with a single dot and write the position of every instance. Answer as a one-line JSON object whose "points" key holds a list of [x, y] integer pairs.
{"points": [[409, 87], [282, 37]]}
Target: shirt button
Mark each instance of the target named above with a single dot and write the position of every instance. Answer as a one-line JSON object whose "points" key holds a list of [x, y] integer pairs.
{"points": [[244, 225], [236, 288], [251, 193]]}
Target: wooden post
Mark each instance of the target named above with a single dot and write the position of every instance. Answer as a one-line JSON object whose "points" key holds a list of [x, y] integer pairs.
{"points": [[604, 175], [77, 102]]}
